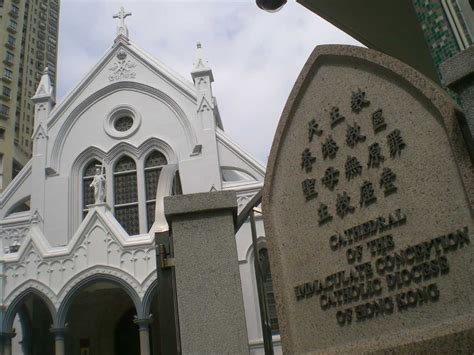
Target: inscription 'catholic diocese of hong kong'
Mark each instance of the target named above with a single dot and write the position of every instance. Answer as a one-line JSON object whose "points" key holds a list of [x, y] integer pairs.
{"points": [[393, 280]]}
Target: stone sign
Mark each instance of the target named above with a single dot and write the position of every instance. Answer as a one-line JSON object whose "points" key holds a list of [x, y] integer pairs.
{"points": [[368, 209]]}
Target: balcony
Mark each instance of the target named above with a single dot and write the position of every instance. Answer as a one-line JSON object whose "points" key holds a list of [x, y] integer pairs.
{"points": [[11, 29], [10, 45], [8, 61], [6, 79], [14, 12]]}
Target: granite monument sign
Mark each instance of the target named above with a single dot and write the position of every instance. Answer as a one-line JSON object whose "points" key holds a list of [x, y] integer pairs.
{"points": [[368, 209]]}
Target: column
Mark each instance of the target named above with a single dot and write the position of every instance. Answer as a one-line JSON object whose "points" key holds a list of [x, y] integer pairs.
{"points": [[208, 287], [144, 332], [7, 343], [59, 334]]}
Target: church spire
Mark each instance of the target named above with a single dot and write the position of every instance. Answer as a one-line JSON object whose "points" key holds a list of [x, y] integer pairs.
{"points": [[122, 29], [45, 90], [201, 66]]}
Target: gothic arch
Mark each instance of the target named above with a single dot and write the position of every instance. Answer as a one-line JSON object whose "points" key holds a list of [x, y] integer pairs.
{"points": [[109, 90], [17, 205], [116, 276], [109, 158], [149, 295], [19, 296]]}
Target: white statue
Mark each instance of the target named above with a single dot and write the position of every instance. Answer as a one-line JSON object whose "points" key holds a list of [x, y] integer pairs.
{"points": [[99, 184]]}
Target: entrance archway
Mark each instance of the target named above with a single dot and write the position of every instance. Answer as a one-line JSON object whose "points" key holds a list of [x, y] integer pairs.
{"points": [[28, 321], [99, 312]]}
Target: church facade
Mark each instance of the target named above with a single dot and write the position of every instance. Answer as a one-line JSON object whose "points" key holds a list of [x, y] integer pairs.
{"points": [[77, 224]]}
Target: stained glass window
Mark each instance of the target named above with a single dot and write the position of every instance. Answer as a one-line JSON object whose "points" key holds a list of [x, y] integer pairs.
{"points": [[87, 191], [126, 195], [153, 165]]}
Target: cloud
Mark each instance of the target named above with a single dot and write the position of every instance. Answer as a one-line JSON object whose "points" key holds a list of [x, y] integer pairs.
{"points": [[255, 56]]}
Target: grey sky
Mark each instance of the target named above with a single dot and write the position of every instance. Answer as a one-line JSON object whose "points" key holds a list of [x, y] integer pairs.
{"points": [[255, 56]]}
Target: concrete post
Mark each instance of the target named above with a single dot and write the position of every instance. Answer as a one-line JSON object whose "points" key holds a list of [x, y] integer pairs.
{"points": [[144, 332], [458, 74], [210, 302], [59, 334]]}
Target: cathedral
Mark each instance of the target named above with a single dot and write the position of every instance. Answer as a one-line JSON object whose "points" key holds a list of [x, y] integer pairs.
{"points": [[77, 224]]}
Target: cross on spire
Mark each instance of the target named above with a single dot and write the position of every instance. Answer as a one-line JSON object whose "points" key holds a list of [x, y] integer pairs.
{"points": [[122, 27]]}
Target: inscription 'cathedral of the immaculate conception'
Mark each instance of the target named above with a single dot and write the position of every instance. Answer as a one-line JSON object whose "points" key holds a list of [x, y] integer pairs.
{"points": [[390, 279]]}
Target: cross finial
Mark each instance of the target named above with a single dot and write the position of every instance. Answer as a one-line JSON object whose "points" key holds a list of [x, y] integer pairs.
{"points": [[122, 27]]}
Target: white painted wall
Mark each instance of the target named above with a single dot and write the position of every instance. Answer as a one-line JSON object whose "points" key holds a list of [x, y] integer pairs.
{"points": [[59, 249]]}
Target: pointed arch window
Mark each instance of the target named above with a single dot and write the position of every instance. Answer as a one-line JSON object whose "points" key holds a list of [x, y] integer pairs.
{"points": [[87, 191], [126, 195], [153, 165]]}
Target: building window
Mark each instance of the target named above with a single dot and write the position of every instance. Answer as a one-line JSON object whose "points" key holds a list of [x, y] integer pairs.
{"points": [[14, 10], [9, 57], [11, 40], [12, 25], [153, 165], [4, 110], [8, 74], [87, 190], [6, 91], [126, 195], [16, 168], [123, 123]]}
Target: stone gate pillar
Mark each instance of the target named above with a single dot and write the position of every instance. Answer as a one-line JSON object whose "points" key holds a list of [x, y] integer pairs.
{"points": [[208, 287]]}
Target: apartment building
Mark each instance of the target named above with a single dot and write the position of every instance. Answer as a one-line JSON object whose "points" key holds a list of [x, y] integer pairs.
{"points": [[28, 44]]}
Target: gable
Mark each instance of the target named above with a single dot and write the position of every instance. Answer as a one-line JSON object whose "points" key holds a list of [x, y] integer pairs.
{"points": [[125, 62]]}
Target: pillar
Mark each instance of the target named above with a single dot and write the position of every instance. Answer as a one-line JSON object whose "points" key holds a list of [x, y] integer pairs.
{"points": [[7, 343], [208, 288], [144, 332], [59, 334]]}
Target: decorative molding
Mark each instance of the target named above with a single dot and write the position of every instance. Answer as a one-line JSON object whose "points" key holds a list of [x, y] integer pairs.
{"points": [[98, 273], [36, 218], [15, 300], [239, 152], [15, 185], [67, 125], [122, 68], [116, 113], [109, 158], [181, 84], [39, 133], [204, 105]]}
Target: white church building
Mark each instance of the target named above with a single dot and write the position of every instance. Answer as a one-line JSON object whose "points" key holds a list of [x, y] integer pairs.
{"points": [[79, 277]]}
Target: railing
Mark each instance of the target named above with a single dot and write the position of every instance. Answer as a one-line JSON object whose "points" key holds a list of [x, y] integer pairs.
{"points": [[261, 265]]}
